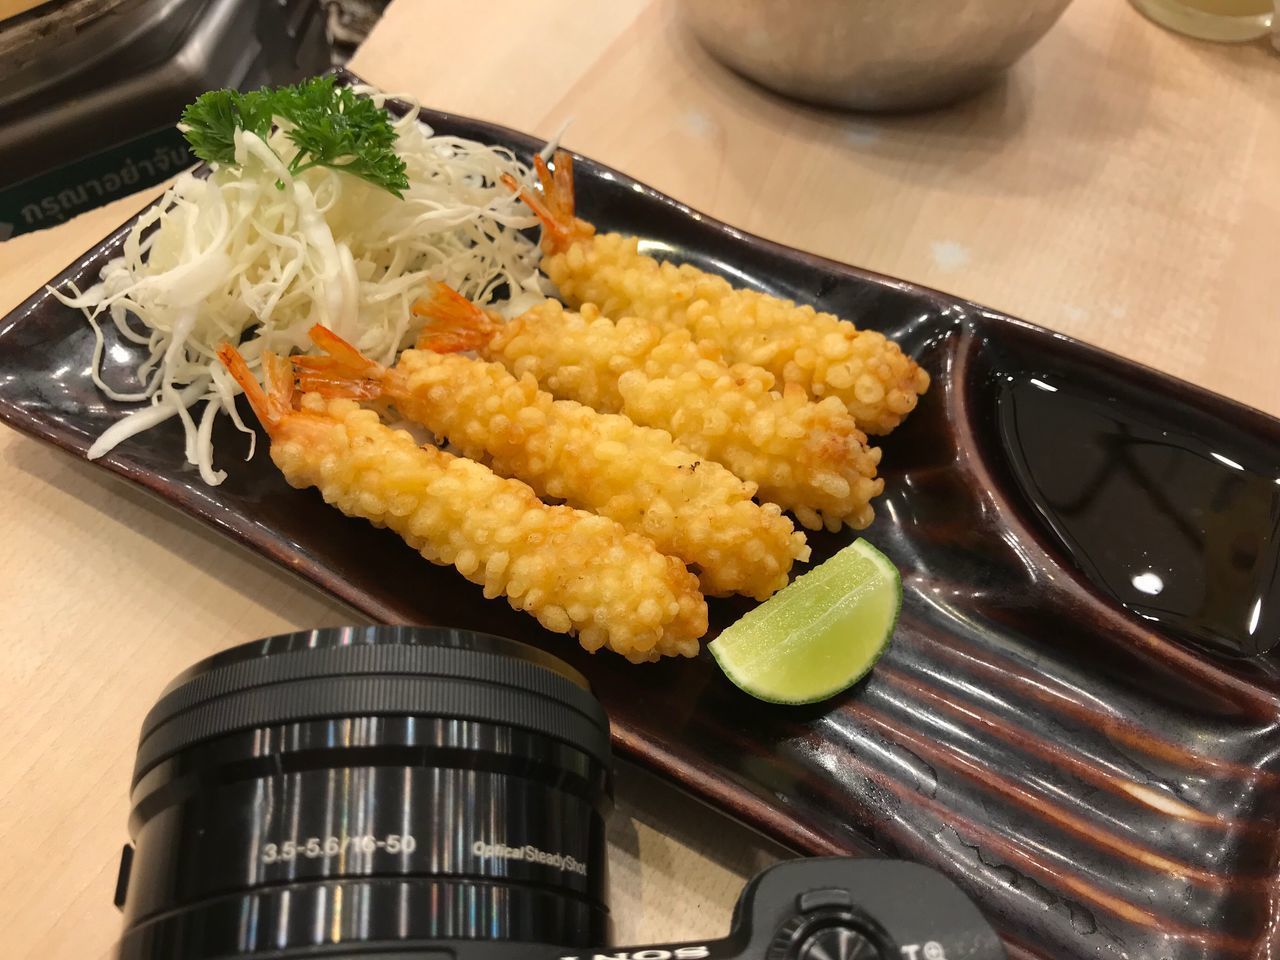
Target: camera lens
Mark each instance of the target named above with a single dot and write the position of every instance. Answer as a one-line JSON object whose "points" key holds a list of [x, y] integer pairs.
{"points": [[351, 790]]}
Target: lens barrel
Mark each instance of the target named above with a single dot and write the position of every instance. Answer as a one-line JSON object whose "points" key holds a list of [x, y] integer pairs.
{"points": [[346, 790]]}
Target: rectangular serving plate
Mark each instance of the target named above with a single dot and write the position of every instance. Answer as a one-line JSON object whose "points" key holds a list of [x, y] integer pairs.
{"points": [[1099, 787]]}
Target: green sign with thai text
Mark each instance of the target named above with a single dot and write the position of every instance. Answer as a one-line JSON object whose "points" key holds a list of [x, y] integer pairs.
{"points": [[48, 199]]}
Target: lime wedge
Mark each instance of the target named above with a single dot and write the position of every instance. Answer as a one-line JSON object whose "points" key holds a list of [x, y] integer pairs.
{"points": [[818, 635]]}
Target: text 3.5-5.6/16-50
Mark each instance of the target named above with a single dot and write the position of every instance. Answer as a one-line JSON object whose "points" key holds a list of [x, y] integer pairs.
{"points": [[316, 848]]}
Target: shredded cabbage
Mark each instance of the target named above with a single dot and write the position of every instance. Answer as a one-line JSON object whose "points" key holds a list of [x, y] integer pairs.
{"points": [[254, 256]]}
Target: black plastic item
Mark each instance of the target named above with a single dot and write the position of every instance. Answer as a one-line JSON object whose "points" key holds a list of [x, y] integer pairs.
{"points": [[365, 785], [860, 910], [88, 116], [432, 794]]}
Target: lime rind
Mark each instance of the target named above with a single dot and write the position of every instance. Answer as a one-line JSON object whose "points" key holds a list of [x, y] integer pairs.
{"points": [[781, 653]]}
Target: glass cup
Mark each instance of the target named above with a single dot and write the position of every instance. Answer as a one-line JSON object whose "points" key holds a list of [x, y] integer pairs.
{"points": [[1226, 20]]}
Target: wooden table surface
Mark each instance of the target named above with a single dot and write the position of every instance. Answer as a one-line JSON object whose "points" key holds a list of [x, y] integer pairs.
{"points": [[1121, 186]]}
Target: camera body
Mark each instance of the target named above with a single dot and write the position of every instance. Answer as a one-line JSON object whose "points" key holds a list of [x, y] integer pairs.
{"points": [[834, 908], [403, 792]]}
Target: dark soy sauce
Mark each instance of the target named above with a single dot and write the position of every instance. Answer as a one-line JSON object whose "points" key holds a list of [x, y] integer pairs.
{"points": [[1182, 533]]}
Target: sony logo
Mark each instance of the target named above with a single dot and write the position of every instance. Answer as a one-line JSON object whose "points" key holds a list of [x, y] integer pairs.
{"points": [[651, 953]]}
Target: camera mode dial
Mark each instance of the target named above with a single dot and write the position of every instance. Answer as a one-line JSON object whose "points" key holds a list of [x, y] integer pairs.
{"points": [[827, 926]]}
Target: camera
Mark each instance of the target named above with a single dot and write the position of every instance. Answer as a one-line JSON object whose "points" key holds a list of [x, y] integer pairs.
{"points": [[429, 794]]}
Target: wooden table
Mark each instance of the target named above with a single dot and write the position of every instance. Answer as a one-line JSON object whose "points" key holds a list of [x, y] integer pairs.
{"points": [[1121, 186]]}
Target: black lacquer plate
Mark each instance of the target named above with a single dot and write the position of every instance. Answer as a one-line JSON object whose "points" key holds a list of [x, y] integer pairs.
{"points": [[1078, 716]]}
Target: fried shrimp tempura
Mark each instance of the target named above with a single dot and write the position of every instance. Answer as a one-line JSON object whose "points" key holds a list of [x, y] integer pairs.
{"points": [[825, 355], [574, 571], [692, 509], [809, 458]]}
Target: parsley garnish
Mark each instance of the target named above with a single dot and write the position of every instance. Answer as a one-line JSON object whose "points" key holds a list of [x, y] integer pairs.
{"points": [[330, 126]]}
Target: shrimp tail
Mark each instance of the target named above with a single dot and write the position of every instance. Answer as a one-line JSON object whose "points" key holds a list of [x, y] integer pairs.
{"points": [[556, 236], [275, 402], [557, 185], [343, 371], [555, 207], [454, 323]]}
